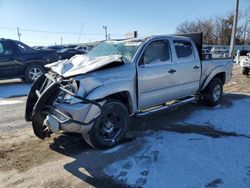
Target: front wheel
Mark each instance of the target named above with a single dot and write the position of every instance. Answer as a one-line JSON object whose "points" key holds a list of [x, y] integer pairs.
{"points": [[110, 127], [212, 94]]}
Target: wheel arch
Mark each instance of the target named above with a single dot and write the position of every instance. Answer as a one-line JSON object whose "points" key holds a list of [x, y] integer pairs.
{"points": [[217, 73], [116, 91]]}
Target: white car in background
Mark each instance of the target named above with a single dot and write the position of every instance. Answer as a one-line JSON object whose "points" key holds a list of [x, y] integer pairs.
{"points": [[220, 53], [245, 63]]}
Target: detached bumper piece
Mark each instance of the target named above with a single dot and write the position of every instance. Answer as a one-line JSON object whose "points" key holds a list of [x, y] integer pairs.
{"points": [[40, 110]]}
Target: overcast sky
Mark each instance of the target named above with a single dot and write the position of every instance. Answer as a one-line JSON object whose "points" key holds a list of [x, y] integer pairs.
{"points": [[46, 21]]}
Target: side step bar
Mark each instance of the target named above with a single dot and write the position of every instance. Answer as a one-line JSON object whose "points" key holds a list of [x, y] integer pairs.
{"points": [[166, 107]]}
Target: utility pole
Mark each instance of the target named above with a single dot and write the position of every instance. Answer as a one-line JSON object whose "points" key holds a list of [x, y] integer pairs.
{"points": [[236, 8], [80, 33], [18, 34], [106, 32], [61, 40]]}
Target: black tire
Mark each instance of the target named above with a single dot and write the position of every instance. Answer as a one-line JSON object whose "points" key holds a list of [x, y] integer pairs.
{"points": [[33, 68], [245, 71], [114, 118], [212, 94]]}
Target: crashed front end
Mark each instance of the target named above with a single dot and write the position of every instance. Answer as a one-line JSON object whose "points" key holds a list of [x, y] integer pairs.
{"points": [[53, 106]]}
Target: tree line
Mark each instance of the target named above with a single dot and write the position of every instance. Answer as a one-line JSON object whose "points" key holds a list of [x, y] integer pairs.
{"points": [[218, 29]]}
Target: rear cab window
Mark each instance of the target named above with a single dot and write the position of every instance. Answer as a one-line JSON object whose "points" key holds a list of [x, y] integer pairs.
{"points": [[183, 49]]}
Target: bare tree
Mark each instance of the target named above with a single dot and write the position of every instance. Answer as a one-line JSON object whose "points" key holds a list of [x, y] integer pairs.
{"points": [[245, 26], [217, 30]]}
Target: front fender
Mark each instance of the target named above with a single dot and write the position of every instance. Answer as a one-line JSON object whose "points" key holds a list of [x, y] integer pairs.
{"points": [[217, 70], [113, 88]]}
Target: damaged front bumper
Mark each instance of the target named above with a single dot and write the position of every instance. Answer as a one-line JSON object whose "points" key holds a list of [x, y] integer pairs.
{"points": [[48, 116]]}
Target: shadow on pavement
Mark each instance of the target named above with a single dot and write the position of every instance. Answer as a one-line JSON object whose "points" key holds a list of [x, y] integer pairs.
{"points": [[88, 163]]}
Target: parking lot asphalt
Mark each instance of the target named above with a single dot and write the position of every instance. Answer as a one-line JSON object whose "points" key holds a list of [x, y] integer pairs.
{"points": [[157, 149]]}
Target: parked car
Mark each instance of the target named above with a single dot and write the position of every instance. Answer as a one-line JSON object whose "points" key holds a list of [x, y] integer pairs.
{"points": [[245, 64], [67, 53], [77, 47], [38, 47], [55, 47], [71, 46], [244, 52], [82, 49], [97, 93], [18, 60], [206, 54], [220, 53]]}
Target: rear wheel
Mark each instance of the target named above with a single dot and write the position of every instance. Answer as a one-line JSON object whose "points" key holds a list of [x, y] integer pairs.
{"points": [[33, 72], [110, 127], [212, 94], [245, 71]]}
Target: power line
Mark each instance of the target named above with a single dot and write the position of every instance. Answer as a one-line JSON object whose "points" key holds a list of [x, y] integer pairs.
{"points": [[185, 16], [54, 32]]}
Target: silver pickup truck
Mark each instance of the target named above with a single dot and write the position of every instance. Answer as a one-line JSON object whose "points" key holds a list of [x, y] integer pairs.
{"points": [[96, 94]]}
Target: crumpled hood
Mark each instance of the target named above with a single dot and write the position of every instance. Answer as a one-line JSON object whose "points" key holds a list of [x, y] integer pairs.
{"points": [[81, 64]]}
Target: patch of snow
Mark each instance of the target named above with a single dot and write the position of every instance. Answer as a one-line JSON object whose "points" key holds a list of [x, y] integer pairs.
{"points": [[170, 159], [231, 119], [10, 102], [11, 90], [185, 160]]}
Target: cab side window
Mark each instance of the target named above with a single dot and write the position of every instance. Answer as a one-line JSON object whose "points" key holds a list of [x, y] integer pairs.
{"points": [[157, 51], [183, 49]]}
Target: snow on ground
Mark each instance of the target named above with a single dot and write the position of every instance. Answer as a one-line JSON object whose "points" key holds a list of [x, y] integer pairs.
{"points": [[11, 90], [10, 102], [170, 159], [230, 119]]}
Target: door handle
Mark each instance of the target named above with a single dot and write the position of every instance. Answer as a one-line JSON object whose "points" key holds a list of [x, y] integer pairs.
{"points": [[171, 71], [196, 67]]}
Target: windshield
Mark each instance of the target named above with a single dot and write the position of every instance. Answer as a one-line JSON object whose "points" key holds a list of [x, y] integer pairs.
{"points": [[125, 49], [24, 48]]}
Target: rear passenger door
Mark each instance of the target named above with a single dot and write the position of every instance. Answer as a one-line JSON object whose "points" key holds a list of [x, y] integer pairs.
{"points": [[188, 68]]}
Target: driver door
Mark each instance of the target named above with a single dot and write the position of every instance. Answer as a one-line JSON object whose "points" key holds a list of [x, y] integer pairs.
{"points": [[156, 72], [9, 66]]}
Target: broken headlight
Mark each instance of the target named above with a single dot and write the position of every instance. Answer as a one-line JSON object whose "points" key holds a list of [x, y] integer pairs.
{"points": [[64, 97]]}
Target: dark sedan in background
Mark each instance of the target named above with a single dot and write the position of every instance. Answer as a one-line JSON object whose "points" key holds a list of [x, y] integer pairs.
{"points": [[67, 51], [18, 60]]}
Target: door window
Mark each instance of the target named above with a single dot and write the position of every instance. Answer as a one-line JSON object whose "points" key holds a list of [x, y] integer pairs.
{"points": [[156, 52], [5, 49], [183, 49], [1, 49]]}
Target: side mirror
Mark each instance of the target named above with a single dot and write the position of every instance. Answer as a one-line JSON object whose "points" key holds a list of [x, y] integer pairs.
{"points": [[141, 62]]}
